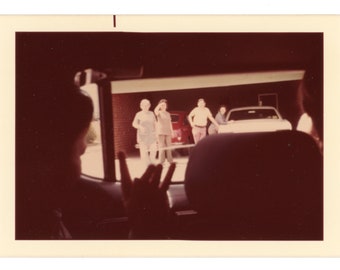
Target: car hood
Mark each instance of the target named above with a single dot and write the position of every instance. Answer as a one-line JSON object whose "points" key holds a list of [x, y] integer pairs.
{"points": [[258, 125]]}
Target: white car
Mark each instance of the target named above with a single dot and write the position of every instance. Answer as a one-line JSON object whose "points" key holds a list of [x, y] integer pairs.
{"points": [[254, 119]]}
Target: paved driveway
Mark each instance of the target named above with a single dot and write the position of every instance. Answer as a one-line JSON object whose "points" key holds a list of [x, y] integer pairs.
{"points": [[92, 165]]}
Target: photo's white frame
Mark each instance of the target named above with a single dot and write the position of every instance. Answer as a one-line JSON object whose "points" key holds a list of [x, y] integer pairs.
{"points": [[329, 25]]}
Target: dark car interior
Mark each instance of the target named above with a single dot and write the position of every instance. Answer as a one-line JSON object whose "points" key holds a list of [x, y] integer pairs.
{"points": [[256, 186]]}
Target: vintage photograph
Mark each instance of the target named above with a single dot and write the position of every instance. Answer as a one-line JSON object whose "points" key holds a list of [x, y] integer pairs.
{"points": [[194, 136]]}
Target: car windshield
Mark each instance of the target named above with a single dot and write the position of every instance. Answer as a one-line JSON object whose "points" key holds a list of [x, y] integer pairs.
{"points": [[253, 114]]}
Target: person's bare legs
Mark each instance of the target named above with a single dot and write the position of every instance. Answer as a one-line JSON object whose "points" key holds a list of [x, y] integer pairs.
{"points": [[168, 151], [161, 144], [153, 153]]}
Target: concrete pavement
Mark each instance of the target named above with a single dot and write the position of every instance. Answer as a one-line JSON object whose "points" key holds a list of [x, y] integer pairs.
{"points": [[92, 165]]}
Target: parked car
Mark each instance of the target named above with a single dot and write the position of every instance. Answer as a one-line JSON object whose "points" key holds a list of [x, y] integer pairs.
{"points": [[182, 130], [254, 119]]}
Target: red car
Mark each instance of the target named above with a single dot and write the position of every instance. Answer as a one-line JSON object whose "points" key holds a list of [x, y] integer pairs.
{"points": [[182, 130]]}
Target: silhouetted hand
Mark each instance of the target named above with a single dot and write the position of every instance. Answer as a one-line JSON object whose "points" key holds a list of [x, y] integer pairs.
{"points": [[146, 201]]}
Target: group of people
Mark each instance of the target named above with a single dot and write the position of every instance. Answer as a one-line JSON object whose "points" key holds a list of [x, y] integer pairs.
{"points": [[152, 128], [155, 132], [199, 117]]}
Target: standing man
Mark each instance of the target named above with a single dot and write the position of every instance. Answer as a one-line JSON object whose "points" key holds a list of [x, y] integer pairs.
{"points": [[164, 131], [198, 119]]}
